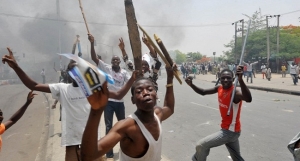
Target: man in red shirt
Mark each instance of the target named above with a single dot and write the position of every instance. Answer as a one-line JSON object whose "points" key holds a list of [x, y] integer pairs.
{"points": [[230, 125]]}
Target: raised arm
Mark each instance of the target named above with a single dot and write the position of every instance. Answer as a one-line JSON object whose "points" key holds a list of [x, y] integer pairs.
{"points": [[150, 47], [93, 53], [189, 81], [128, 63], [27, 81], [245, 93], [122, 92], [15, 117], [169, 102], [90, 148], [153, 54]]}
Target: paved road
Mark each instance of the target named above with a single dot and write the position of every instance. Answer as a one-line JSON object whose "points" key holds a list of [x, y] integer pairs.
{"points": [[25, 140], [268, 124]]}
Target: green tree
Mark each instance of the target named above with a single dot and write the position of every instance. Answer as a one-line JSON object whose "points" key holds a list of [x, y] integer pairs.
{"points": [[256, 45], [194, 56], [180, 57]]}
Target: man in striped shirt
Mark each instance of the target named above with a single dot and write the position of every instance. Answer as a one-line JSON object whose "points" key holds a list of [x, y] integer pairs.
{"points": [[230, 125]]}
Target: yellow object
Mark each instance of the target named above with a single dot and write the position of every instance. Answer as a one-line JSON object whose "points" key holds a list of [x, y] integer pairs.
{"points": [[169, 85]]}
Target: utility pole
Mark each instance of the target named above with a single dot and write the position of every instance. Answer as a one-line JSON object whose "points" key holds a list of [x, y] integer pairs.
{"points": [[277, 48], [268, 41], [214, 53], [235, 36]]}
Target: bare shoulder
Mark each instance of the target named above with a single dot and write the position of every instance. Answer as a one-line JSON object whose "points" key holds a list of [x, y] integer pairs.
{"points": [[126, 125], [158, 111]]}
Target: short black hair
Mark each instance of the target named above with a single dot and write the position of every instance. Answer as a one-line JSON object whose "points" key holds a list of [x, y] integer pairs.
{"points": [[227, 70], [139, 79]]}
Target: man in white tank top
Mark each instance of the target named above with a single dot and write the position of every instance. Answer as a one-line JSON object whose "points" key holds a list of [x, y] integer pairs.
{"points": [[140, 133]]}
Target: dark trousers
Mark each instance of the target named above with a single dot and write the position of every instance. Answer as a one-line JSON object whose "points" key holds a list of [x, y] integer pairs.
{"points": [[295, 79], [110, 109]]}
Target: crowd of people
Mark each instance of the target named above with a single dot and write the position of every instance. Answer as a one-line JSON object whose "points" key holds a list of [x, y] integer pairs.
{"points": [[249, 68], [140, 133]]}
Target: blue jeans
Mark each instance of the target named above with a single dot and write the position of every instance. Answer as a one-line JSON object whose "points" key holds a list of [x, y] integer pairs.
{"points": [[119, 109], [229, 138], [249, 74]]}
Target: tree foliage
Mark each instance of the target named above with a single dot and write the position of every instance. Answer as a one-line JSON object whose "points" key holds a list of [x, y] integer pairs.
{"points": [[194, 56], [180, 57], [256, 45]]}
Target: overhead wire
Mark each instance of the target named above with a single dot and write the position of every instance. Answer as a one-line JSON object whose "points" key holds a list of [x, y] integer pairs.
{"points": [[113, 24], [108, 24]]}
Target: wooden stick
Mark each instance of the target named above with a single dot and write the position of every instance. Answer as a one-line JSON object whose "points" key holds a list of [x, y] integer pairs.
{"points": [[134, 35], [167, 56], [80, 6], [159, 53]]}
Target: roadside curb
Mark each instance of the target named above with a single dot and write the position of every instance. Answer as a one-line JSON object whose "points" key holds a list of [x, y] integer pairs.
{"points": [[291, 92]]}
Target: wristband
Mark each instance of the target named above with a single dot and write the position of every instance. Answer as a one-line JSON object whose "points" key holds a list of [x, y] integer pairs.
{"points": [[169, 85]]}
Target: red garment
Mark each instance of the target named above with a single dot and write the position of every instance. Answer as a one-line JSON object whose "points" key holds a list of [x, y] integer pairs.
{"points": [[245, 68], [231, 122]]}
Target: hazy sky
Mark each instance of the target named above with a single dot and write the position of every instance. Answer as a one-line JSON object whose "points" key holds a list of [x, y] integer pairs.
{"points": [[186, 25]]}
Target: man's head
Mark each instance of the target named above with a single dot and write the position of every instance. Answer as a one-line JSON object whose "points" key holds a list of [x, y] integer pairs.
{"points": [[144, 94], [226, 78], [293, 63], [249, 62], [115, 61], [145, 66]]}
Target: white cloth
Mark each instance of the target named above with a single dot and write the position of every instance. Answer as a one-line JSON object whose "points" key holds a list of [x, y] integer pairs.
{"points": [[146, 57], [249, 66], [263, 68], [293, 69], [120, 78], [74, 112], [154, 149]]}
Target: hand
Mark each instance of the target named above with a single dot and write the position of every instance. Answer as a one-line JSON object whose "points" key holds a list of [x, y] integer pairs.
{"points": [[10, 59], [91, 38], [121, 44], [99, 99], [145, 40], [239, 72], [30, 96], [135, 74], [71, 65], [170, 71], [189, 80]]}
